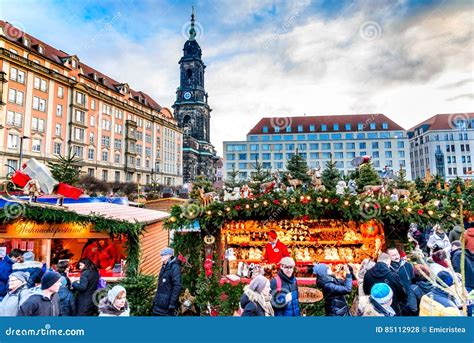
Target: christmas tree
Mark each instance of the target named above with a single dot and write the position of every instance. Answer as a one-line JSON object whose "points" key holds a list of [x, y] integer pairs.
{"points": [[400, 180], [298, 168], [67, 169], [331, 175], [258, 176], [232, 179], [200, 182], [367, 176]]}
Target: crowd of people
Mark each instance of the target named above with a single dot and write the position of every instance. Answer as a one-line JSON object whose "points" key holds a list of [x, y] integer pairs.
{"points": [[428, 283]]}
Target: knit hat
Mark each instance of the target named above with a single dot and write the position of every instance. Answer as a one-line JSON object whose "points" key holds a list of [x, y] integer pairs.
{"points": [[22, 276], [258, 284], [381, 293], [49, 279], [272, 234], [114, 292], [320, 269], [28, 256], [167, 251], [446, 277]]}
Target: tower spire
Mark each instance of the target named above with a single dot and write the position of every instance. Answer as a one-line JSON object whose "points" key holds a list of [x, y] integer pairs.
{"points": [[192, 31]]}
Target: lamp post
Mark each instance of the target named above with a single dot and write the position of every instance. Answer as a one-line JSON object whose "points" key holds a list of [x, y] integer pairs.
{"points": [[21, 148]]}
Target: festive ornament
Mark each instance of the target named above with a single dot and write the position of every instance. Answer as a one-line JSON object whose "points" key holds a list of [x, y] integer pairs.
{"points": [[209, 239], [208, 266], [276, 202], [420, 212]]}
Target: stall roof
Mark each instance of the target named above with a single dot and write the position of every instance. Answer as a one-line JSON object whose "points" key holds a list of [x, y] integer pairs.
{"points": [[119, 212]]}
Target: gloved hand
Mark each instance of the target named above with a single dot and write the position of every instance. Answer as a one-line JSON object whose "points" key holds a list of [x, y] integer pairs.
{"points": [[288, 297]]}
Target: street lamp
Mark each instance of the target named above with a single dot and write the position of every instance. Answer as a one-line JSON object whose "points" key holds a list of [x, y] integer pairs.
{"points": [[21, 148]]}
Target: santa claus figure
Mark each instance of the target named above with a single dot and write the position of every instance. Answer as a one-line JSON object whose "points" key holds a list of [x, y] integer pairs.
{"points": [[274, 250]]}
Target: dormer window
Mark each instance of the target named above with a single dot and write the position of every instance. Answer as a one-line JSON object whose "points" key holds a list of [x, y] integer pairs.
{"points": [[73, 63], [94, 76], [40, 49], [26, 42]]}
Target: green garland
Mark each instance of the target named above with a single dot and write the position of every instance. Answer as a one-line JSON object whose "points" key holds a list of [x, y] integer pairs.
{"points": [[48, 214]]}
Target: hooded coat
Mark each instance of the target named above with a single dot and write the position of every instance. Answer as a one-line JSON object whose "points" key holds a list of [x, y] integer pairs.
{"points": [[107, 309], [38, 304], [334, 291], [455, 234], [13, 300], [34, 268], [169, 288], [381, 273], [251, 304]]}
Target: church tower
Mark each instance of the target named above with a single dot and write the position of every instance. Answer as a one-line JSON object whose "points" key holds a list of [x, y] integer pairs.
{"points": [[193, 112]]}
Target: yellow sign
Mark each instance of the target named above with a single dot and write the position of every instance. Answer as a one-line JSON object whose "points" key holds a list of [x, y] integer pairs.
{"points": [[30, 229]]}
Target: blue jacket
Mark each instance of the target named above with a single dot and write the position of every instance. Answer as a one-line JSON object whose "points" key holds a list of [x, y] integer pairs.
{"points": [[279, 304], [334, 291], [6, 266], [67, 302], [34, 268], [468, 266], [406, 273]]}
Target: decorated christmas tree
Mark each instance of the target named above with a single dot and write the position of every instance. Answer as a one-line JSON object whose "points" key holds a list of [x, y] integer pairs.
{"points": [[66, 169], [200, 182], [331, 175], [367, 176], [258, 176], [298, 168]]}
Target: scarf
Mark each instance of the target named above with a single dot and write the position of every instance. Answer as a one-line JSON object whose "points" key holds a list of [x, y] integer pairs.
{"points": [[264, 302]]}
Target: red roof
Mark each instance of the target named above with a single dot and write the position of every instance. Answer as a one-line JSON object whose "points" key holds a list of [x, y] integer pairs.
{"points": [[329, 121], [445, 121], [57, 56]]}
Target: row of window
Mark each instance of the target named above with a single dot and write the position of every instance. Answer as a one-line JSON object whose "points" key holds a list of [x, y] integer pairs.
{"points": [[312, 155], [324, 127], [326, 136], [311, 146]]}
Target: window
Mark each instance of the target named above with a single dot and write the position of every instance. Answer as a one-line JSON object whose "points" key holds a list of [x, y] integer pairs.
{"points": [[266, 156], [265, 147], [91, 138], [362, 145], [78, 151], [336, 127], [106, 141], [36, 145], [278, 156], [326, 155], [60, 92], [242, 156], [106, 124], [388, 154], [372, 135], [339, 155], [312, 128], [15, 96], [90, 154], [117, 158], [254, 157], [360, 126], [117, 176], [13, 141], [400, 145], [375, 145], [324, 137], [265, 129], [350, 154], [314, 155], [118, 144], [230, 157], [401, 153], [385, 126], [15, 119], [277, 147], [105, 175], [372, 126], [92, 104], [336, 136], [118, 128], [39, 104], [290, 147], [338, 146], [348, 127], [349, 136], [58, 130], [17, 75], [57, 148], [387, 145], [139, 162], [40, 84], [105, 155], [92, 121], [326, 146], [324, 127], [79, 134], [313, 146], [375, 154], [350, 145], [80, 98], [277, 129], [37, 124], [300, 128]]}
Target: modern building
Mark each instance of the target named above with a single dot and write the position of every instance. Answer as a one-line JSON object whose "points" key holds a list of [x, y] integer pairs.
{"points": [[318, 139], [443, 145], [52, 102], [193, 113]]}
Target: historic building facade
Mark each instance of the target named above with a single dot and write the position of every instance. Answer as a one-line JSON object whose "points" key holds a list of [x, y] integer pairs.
{"points": [[193, 113], [52, 102]]}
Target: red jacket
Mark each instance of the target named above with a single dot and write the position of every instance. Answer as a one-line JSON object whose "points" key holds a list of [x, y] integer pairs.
{"points": [[91, 252], [276, 253], [106, 257]]}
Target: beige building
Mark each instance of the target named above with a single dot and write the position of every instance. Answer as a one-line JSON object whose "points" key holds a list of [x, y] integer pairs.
{"points": [[52, 102]]}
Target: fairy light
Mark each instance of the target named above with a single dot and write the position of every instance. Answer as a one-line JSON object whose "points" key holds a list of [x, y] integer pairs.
{"points": [[409, 209], [346, 202]]}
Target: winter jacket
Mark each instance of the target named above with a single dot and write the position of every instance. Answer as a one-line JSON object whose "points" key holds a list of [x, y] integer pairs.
{"points": [[6, 266], [420, 288], [38, 304], [280, 306], [85, 287], [455, 234], [438, 303], [35, 269], [382, 273], [106, 309], [274, 254], [11, 302], [106, 257], [406, 273], [334, 291], [169, 288], [469, 239], [67, 302], [374, 309], [250, 307], [439, 241], [468, 267], [435, 268]]}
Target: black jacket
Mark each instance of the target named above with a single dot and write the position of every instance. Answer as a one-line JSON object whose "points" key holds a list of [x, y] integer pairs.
{"points": [[85, 287], [39, 305], [169, 288], [381, 273], [468, 266], [406, 273], [67, 302], [250, 308], [420, 288], [334, 291]]}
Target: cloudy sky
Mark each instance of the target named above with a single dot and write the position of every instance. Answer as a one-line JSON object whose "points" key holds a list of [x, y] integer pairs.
{"points": [[406, 59]]}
